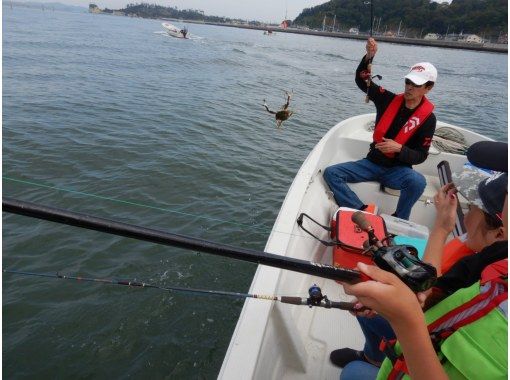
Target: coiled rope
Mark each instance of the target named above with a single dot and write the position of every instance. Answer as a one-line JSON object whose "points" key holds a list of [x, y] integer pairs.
{"points": [[449, 140]]}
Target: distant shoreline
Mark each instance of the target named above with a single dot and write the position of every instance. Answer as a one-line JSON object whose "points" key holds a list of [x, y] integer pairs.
{"points": [[494, 48]]}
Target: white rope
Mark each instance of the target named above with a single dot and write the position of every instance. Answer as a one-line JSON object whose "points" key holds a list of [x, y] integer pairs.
{"points": [[449, 140]]}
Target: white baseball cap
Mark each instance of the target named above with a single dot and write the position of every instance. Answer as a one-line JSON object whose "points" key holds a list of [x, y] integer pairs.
{"points": [[421, 73]]}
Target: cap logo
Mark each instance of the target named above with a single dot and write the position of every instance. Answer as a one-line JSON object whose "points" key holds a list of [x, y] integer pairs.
{"points": [[418, 68], [493, 177]]}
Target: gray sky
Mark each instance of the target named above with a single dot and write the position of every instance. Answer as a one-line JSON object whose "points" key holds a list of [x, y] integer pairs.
{"points": [[263, 10]]}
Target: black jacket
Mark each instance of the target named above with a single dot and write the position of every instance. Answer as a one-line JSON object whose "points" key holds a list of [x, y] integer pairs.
{"points": [[468, 270], [415, 150]]}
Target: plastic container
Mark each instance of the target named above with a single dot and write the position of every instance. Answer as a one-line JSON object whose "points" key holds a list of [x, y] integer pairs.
{"points": [[404, 227], [417, 243]]}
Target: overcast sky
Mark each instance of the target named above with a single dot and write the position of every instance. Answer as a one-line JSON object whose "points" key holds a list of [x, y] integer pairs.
{"points": [[262, 10]]}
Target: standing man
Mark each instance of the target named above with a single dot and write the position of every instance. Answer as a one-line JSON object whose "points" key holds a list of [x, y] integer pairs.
{"points": [[404, 126]]}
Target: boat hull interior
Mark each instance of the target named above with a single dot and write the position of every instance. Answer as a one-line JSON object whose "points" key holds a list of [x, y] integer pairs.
{"points": [[279, 341]]}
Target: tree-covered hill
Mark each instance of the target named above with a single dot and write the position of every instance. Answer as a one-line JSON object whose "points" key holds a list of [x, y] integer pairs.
{"points": [[416, 17], [157, 11]]}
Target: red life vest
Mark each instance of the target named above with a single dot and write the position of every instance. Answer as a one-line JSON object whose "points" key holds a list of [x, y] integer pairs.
{"points": [[416, 120], [495, 270]]}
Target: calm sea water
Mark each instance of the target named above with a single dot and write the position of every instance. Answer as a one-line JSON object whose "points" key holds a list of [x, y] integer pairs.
{"points": [[109, 116]]}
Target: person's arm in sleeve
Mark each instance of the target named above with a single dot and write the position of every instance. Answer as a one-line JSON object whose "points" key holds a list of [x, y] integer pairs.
{"points": [[391, 298], [362, 72], [446, 213]]}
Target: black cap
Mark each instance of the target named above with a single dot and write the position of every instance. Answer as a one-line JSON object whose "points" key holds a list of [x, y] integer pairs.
{"points": [[492, 192], [491, 155]]}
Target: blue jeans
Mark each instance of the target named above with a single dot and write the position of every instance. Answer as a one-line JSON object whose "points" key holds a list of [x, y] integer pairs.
{"points": [[374, 330], [358, 370], [410, 183]]}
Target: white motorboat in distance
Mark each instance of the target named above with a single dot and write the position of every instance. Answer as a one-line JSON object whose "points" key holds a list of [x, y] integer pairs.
{"points": [[173, 31], [279, 341]]}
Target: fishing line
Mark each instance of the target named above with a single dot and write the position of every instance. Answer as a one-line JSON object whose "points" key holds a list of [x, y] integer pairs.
{"points": [[102, 197], [262, 228]]}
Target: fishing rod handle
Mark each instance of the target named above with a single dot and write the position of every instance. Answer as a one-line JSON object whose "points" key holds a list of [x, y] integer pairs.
{"points": [[369, 81], [293, 300], [359, 219], [349, 306]]}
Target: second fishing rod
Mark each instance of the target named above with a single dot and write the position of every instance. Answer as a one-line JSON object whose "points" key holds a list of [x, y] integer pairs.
{"points": [[315, 296]]}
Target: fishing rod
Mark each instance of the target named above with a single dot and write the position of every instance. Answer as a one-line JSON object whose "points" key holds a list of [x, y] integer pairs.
{"points": [[371, 17], [369, 66], [315, 299], [181, 241]]}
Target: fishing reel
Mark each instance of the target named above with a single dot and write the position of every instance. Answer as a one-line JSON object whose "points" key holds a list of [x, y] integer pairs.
{"points": [[316, 296], [401, 260]]}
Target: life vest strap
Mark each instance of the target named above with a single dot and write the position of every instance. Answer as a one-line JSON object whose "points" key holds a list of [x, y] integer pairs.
{"points": [[399, 368], [473, 310]]}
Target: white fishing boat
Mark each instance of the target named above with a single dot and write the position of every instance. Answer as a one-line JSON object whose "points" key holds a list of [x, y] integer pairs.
{"points": [[174, 31], [279, 341]]}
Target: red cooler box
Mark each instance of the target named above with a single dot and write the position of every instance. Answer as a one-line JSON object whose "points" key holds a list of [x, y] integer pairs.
{"points": [[348, 252]]}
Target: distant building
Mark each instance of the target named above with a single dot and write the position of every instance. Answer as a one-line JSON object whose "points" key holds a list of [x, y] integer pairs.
{"points": [[354, 31], [118, 13], [93, 8], [285, 24], [503, 39], [389, 33], [431, 36]]}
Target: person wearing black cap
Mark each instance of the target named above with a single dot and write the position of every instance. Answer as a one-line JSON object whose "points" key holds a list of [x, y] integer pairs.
{"points": [[452, 330], [486, 200], [485, 234], [491, 197]]}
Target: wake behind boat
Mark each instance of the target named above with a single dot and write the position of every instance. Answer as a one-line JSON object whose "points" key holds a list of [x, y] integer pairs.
{"points": [[173, 31], [274, 341]]}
